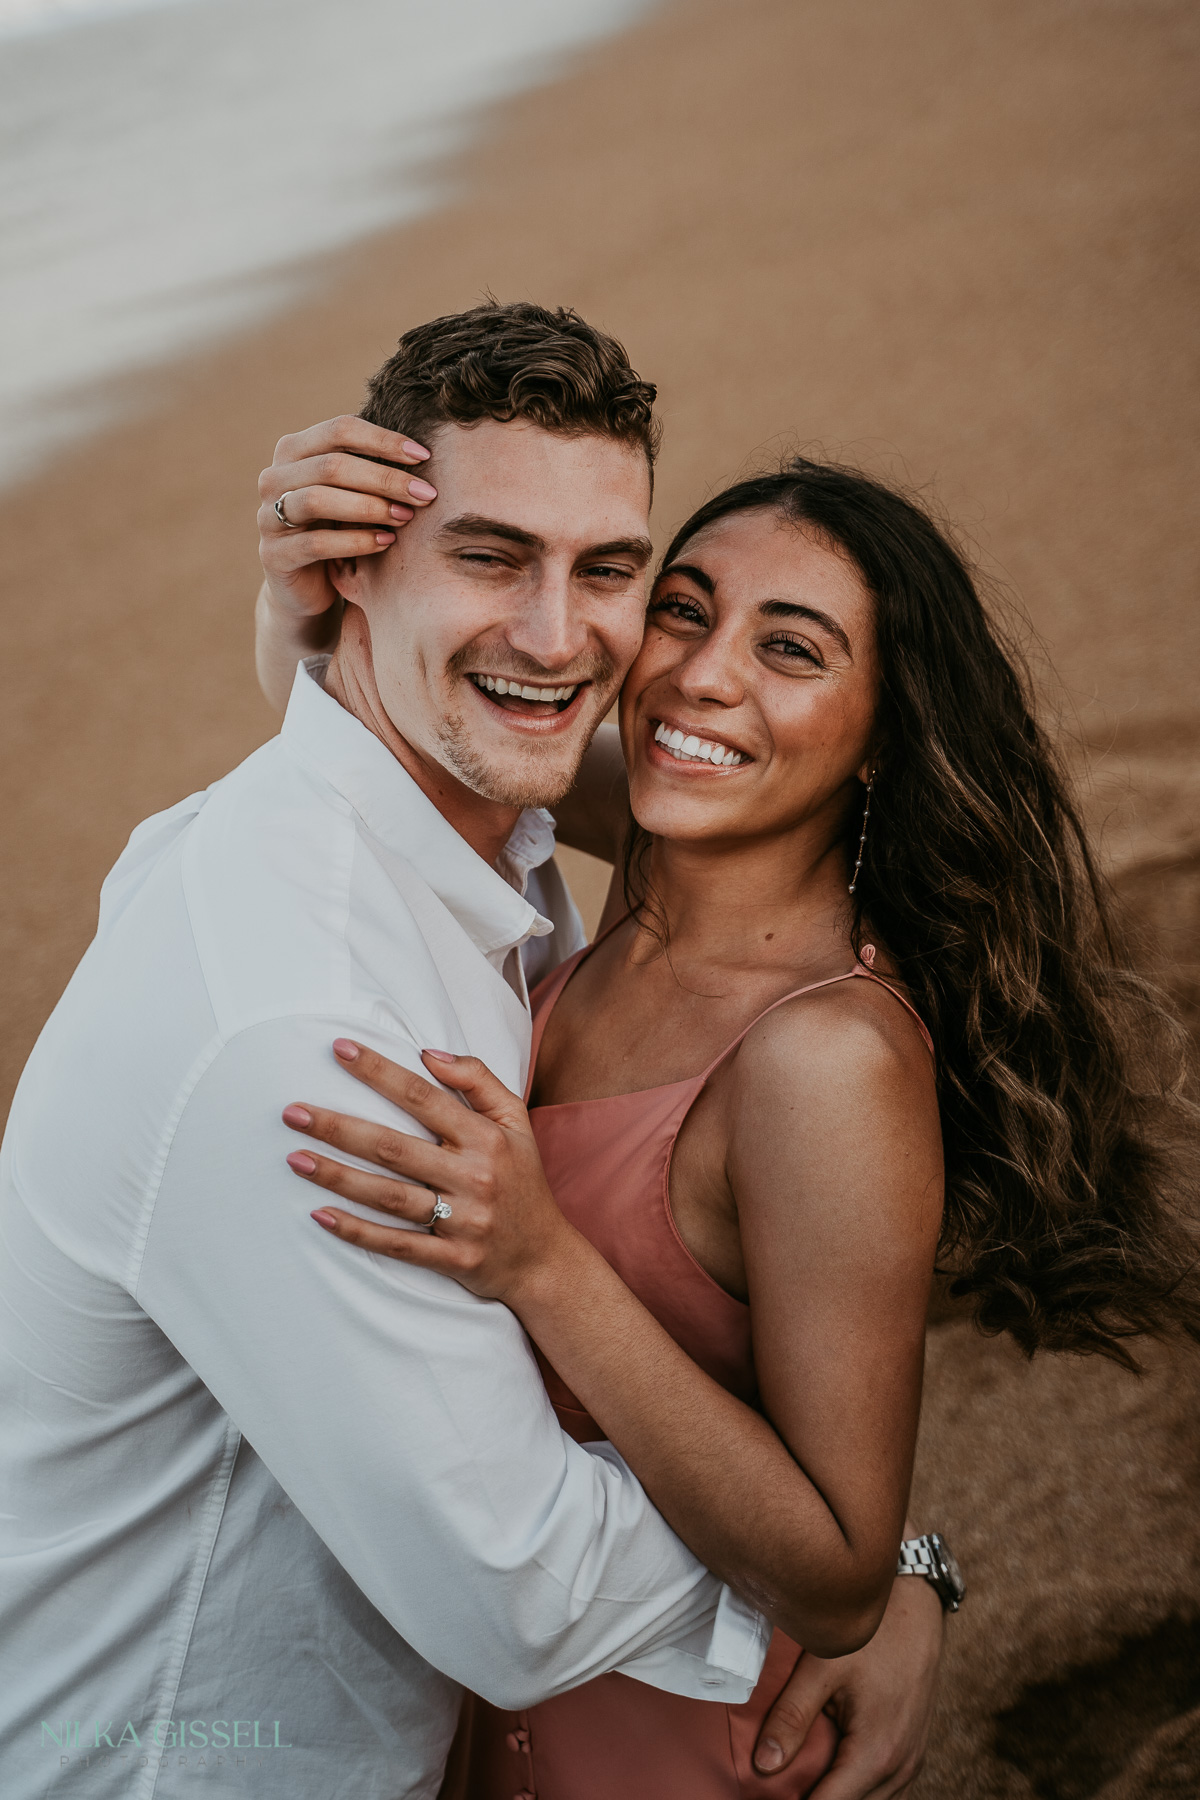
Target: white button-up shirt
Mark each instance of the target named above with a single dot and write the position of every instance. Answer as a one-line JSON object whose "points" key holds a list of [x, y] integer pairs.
{"points": [[266, 1500]]}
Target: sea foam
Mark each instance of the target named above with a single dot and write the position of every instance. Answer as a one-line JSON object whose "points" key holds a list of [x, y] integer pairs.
{"points": [[166, 166]]}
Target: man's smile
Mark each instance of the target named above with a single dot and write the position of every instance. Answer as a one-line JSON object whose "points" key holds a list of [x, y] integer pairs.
{"points": [[527, 700]]}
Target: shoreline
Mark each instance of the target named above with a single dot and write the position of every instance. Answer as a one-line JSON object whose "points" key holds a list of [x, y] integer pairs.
{"points": [[864, 299]]}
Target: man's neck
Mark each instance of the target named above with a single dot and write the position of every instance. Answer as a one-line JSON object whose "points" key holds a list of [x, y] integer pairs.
{"points": [[485, 824]]}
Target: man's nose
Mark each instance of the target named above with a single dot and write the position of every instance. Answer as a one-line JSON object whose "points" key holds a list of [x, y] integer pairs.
{"points": [[551, 628]]}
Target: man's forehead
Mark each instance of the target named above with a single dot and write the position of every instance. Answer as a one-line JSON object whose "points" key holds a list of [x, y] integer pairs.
{"points": [[589, 488]]}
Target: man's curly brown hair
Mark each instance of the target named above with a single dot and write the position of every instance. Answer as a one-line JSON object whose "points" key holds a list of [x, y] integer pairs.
{"points": [[515, 361]]}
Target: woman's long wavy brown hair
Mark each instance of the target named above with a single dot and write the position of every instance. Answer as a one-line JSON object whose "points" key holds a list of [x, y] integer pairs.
{"points": [[1070, 1189]]}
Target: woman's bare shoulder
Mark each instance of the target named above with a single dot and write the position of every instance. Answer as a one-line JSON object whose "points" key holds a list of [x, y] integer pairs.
{"points": [[832, 1115], [832, 1051]]}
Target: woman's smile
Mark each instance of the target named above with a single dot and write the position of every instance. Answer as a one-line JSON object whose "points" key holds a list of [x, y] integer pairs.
{"points": [[694, 747]]}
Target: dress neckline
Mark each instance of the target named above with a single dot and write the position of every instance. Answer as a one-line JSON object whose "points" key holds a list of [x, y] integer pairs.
{"points": [[558, 980]]}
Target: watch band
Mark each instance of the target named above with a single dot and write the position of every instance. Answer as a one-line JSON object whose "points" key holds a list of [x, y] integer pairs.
{"points": [[930, 1557]]}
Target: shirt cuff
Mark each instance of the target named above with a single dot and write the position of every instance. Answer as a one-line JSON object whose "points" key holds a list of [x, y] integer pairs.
{"points": [[720, 1660]]}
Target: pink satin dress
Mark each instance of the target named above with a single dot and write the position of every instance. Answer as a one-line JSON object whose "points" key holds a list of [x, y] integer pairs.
{"points": [[608, 1162]]}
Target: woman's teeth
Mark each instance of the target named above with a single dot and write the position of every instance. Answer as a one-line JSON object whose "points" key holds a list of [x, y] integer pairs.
{"points": [[498, 685], [694, 749]]}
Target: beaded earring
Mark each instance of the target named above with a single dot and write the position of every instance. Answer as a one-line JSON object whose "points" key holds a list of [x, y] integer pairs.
{"points": [[862, 840]]}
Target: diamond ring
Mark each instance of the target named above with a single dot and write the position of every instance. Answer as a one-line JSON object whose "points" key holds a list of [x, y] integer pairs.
{"points": [[440, 1211]]}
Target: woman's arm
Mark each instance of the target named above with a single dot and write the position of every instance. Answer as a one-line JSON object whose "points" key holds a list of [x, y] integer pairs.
{"points": [[807, 1528], [282, 639]]}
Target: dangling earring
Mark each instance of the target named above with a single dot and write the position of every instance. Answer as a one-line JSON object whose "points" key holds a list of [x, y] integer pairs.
{"points": [[862, 840]]}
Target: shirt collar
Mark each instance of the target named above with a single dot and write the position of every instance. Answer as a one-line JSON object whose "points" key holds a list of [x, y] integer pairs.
{"points": [[489, 903]]}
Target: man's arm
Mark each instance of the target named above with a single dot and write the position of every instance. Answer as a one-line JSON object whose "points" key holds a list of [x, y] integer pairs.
{"points": [[811, 1526], [405, 1418]]}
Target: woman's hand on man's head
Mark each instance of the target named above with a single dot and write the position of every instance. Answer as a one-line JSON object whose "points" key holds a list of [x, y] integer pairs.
{"points": [[340, 496]]}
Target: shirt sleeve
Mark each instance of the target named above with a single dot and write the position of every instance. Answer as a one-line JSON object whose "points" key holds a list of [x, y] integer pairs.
{"points": [[406, 1418]]}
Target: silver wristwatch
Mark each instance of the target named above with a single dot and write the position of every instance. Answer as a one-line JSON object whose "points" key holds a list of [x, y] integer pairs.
{"points": [[931, 1557]]}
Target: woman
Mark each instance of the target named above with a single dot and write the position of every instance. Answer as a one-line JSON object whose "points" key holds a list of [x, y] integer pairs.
{"points": [[860, 929]]}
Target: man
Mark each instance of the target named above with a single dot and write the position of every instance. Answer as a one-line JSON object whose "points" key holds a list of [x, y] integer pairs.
{"points": [[270, 1507]]}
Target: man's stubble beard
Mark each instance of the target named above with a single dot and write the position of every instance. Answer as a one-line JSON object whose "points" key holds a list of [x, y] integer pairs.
{"points": [[524, 787]]}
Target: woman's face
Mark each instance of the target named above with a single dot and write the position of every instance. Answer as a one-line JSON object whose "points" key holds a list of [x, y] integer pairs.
{"points": [[751, 706]]}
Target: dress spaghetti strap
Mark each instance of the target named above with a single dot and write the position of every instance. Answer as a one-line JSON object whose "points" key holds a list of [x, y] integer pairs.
{"points": [[863, 969], [545, 996]]}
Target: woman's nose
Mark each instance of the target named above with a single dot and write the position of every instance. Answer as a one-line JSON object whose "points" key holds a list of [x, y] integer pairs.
{"points": [[711, 672]]}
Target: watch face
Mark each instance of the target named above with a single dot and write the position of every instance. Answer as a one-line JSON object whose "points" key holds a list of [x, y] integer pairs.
{"points": [[950, 1571]]}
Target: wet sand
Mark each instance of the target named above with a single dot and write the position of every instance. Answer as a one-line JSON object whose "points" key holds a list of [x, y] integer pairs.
{"points": [[956, 242]]}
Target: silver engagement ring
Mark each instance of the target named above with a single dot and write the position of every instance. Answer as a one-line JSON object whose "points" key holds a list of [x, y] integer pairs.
{"points": [[440, 1211], [288, 524]]}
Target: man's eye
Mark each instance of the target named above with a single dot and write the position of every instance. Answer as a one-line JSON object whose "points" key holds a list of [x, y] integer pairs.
{"points": [[607, 572]]}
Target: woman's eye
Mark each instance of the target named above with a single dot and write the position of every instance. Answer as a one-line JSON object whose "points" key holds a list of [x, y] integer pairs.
{"points": [[677, 606], [794, 650]]}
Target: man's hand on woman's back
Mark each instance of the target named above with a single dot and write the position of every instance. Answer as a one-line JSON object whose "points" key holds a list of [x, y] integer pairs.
{"points": [[881, 1700]]}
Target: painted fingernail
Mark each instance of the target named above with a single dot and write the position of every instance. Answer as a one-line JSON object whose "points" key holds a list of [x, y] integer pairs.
{"points": [[345, 1049], [411, 449], [385, 537], [297, 1115], [769, 1755], [327, 1219], [421, 490], [400, 512], [302, 1162], [440, 1055]]}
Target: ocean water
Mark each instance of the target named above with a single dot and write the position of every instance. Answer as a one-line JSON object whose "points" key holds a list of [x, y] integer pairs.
{"points": [[167, 165]]}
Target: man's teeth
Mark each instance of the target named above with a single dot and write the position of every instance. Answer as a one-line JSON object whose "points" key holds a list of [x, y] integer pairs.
{"points": [[694, 749], [498, 685]]}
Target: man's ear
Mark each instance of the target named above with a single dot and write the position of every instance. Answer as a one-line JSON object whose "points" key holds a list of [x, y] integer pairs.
{"points": [[343, 573]]}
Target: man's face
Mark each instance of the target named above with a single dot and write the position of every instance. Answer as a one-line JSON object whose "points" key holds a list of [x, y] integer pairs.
{"points": [[526, 573]]}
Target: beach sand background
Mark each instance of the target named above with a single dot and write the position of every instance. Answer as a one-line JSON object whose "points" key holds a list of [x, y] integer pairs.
{"points": [[954, 239]]}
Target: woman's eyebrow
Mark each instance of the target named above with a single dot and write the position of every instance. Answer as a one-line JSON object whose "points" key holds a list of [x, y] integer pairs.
{"points": [[693, 574], [788, 609]]}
